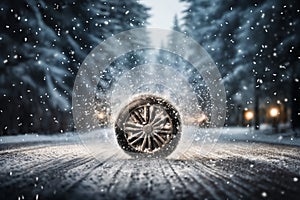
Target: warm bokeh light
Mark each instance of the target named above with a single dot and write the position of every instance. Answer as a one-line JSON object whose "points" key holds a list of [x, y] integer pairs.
{"points": [[274, 112], [101, 115], [249, 115]]}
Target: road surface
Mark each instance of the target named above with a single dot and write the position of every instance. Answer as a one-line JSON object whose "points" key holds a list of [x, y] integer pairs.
{"points": [[65, 170]]}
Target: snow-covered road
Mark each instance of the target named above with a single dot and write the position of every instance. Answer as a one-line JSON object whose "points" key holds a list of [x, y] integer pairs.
{"points": [[61, 169]]}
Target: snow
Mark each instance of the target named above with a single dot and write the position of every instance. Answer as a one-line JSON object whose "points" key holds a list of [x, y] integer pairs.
{"points": [[68, 172], [39, 138], [266, 135], [229, 134]]}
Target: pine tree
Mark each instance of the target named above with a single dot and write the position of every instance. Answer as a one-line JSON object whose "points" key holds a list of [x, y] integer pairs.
{"points": [[183, 67]]}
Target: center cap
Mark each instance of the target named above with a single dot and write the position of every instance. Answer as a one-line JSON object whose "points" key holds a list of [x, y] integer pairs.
{"points": [[148, 129]]}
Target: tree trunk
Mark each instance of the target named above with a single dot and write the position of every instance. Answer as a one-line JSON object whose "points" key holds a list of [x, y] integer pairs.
{"points": [[256, 106], [295, 95]]}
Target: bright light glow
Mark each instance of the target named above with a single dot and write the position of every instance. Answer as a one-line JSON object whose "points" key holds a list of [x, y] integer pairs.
{"points": [[249, 115], [202, 118], [274, 112], [165, 10], [101, 115]]}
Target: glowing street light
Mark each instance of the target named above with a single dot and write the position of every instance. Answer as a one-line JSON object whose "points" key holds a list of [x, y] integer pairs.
{"points": [[249, 115], [100, 115], [274, 112]]}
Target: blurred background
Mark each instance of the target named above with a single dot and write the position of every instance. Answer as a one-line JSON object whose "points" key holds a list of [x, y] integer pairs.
{"points": [[43, 43]]}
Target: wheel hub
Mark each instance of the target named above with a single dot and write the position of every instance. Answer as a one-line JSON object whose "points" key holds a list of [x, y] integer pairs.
{"points": [[148, 129]]}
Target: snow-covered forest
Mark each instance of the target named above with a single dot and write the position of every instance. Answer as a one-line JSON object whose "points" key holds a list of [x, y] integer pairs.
{"points": [[43, 44], [255, 45]]}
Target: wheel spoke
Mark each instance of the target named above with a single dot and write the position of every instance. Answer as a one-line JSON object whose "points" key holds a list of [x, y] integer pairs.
{"points": [[157, 117], [132, 143], [145, 114], [137, 116], [160, 121], [133, 129], [152, 114], [149, 142], [133, 125], [144, 143], [159, 143], [159, 137], [164, 131], [135, 135]]}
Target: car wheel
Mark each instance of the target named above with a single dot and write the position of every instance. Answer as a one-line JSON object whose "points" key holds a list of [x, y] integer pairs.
{"points": [[149, 126]]}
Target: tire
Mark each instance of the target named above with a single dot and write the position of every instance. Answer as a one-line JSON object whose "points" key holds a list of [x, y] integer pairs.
{"points": [[149, 126]]}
